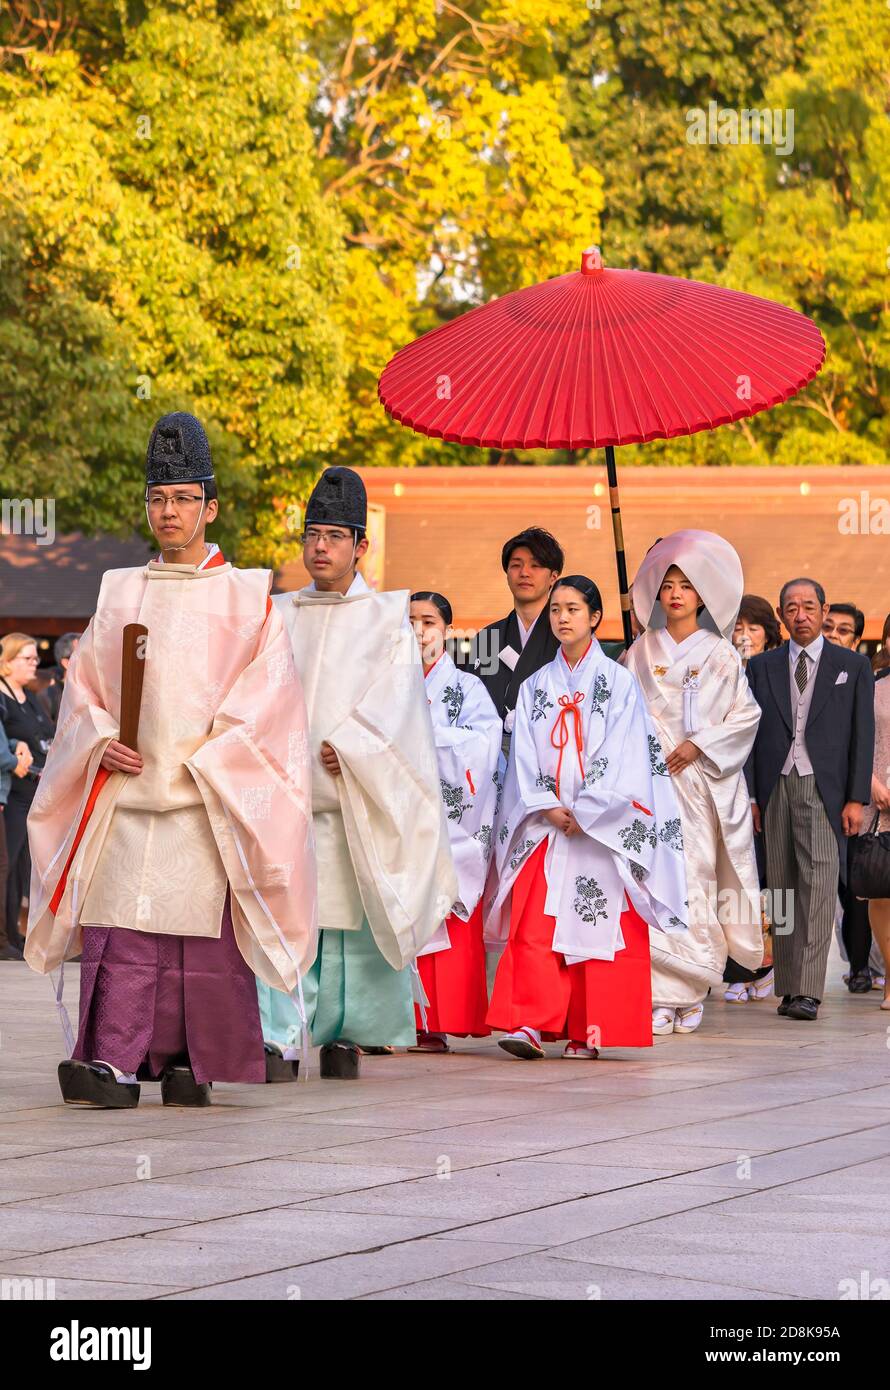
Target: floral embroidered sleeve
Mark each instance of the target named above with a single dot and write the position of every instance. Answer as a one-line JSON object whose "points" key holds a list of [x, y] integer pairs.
{"points": [[537, 788], [468, 735]]}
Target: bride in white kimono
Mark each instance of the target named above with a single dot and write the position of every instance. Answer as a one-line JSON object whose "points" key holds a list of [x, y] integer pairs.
{"points": [[468, 731], [706, 719], [588, 854]]}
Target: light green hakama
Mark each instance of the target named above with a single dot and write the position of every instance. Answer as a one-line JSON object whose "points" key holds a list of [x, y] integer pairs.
{"points": [[350, 992]]}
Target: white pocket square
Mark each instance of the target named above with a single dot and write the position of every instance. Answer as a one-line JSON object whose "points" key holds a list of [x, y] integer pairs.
{"points": [[842, 678]]}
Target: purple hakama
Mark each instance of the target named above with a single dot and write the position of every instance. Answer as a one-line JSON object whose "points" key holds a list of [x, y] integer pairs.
{"points": [[147, 1000]]}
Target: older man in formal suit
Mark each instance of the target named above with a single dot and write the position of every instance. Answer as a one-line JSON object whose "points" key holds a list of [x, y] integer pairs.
{"points": [[809, 776]]}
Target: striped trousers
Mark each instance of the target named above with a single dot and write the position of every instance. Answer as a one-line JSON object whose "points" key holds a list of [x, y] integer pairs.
{"points": [[801, 859]]}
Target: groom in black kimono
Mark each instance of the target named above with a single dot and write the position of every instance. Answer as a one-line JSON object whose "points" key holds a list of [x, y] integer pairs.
{"points": [[506, 652]]}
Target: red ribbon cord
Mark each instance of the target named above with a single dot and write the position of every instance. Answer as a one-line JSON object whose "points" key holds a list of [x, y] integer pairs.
{"points": [[561, 728], [645, 810], [470, 780]]}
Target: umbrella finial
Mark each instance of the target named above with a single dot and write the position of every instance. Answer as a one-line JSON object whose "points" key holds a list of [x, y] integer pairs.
{"points": [[591, 261]]}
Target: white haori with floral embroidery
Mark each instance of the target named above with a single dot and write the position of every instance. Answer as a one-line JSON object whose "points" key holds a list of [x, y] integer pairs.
{"points": [[468, 731], [618, 788]]}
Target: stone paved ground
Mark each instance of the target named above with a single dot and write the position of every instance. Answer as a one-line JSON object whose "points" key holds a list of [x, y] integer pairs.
{"points": [[749, 1160]]}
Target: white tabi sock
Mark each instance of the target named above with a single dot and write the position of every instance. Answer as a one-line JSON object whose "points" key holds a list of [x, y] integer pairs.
{"points": [[126, 1078]]}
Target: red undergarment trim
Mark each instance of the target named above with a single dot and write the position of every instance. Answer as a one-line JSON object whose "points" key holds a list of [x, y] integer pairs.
{"points": [[99, 781], [580, 658]]}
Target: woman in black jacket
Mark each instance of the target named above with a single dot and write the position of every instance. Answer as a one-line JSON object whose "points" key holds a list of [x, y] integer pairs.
{"points": [[25, 720]]}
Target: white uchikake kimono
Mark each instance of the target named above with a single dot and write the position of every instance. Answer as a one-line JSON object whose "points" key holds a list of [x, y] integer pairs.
{"points": [[623, 803], [468, 731], [698, 690]]}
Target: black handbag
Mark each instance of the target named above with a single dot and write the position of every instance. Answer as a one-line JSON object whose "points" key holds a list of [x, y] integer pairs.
{"points": [[869, 867]]}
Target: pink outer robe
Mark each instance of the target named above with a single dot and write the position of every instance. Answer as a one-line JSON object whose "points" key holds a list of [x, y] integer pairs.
{"points": [[226, 778]]}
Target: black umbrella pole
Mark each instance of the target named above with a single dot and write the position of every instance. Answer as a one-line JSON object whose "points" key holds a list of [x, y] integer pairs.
{"points": [[618, 534]]}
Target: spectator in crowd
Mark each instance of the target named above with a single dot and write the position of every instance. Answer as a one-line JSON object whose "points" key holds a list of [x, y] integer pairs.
{"points": [[881, 659], [41, 684], [809, 778], [15, 759], [844, 624], [878, 908], [63, 650], [756, 628], [26, 721]]}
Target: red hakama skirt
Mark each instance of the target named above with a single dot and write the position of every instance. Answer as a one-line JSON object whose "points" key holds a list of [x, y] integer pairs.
{"points": [[601, 1003], [454, 982]]}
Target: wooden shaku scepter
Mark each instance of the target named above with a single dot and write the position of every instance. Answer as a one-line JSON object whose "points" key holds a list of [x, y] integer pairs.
{"points": [[135, 637], [132, 672]]}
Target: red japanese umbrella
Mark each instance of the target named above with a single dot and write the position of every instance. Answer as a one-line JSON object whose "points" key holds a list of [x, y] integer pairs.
{"points": [[600, 357]]}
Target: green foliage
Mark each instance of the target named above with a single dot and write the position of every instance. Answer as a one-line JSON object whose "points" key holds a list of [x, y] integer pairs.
{"points": [[809, 229], [168, 246], [244, 207], [816, 234]]}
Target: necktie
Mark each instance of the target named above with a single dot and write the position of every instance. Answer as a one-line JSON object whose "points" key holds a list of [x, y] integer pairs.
{"points": [[801, 675]]}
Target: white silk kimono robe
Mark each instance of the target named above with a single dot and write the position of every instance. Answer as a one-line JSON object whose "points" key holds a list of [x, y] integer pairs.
{"points": [[697, 690], [468, 731], [223, 800], [583, 739], [380, 829]]}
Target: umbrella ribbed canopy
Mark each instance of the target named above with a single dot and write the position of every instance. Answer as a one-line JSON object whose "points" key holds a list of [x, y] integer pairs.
{"points": [[601, 357]]}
